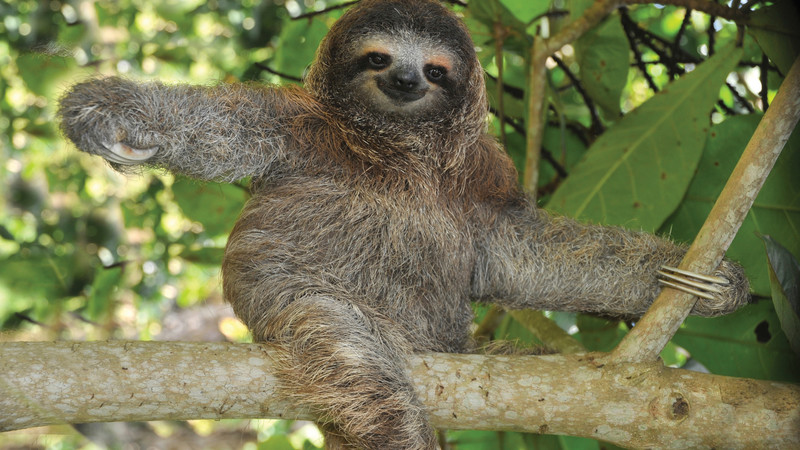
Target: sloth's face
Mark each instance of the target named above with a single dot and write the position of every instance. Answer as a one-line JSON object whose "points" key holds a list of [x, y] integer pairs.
{"points": [[403, 75]]}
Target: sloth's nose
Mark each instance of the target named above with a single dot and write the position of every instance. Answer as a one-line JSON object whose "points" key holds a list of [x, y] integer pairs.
{"points": [[407, 80]]}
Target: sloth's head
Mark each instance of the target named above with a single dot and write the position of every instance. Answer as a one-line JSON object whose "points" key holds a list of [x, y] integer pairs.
{"points": [[411, 61]]}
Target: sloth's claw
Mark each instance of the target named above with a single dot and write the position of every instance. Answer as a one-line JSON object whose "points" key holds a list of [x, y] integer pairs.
{"points": [[703, 286], [123, 154]]}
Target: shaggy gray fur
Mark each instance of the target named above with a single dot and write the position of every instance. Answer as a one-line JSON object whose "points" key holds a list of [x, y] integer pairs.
{"points": [[370, 232]]}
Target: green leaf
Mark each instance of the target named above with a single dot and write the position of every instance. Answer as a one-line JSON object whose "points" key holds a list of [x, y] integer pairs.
{"points": [[491, 12], [45, 74], [512, 106], [298, 44], [784, 275], [276, 442], [105, 282], [203, 255], [37, 277], [776, 210], [526, 10], [597, 334], [494, 12], [637, 172], [602, 54], [215, 205], [748, 343], [563, 144], [776, 31]]}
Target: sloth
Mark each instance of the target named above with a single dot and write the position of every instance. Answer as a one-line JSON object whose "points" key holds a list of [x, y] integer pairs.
{"points": [[381, 209]]}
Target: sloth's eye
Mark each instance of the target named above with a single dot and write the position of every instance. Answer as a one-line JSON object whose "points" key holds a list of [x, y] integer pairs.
{"points": [[378, 61], [435, 73]]}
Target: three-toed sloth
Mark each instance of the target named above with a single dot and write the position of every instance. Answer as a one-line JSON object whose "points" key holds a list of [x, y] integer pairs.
{"points": [[381, 208]]}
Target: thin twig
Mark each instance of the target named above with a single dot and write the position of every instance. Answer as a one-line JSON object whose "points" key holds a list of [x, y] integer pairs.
{"points": [[712, 35], [546, 154], [280, 74], [676, 43], [311, 14], [499, 39], [712, 8], [507, 88], [554, 14], [597, 124], [764, 80], [633, 41], [550, 334]]}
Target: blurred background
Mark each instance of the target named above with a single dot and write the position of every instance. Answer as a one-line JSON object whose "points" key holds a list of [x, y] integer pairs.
{"points": [[89, 254]]}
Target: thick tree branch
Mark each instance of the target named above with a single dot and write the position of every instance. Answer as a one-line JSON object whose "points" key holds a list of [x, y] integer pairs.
{"points": [[651, 334], [636, 405]]}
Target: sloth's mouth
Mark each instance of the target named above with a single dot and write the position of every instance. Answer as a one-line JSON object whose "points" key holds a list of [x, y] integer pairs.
{"points": [[402, 95]]}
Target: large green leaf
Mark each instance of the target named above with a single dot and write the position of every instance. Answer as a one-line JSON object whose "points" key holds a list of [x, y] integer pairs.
{"points": [[776, 210], [748, 343], [637, 172], [776, 31], [602, 54]]}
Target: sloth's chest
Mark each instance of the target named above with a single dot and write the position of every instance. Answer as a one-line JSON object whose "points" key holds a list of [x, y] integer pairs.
{"points": [[364, 237]]}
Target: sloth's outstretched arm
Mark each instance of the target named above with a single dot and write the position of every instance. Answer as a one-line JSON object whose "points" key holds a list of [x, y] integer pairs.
{"points": [[530, 259], [225, 132]]}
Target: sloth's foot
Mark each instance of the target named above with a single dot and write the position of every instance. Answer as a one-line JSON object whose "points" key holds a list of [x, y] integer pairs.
{"points": [[703, 286]]}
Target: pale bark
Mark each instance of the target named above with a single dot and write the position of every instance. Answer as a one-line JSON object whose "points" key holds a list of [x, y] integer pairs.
{"points": [[633, 405]]}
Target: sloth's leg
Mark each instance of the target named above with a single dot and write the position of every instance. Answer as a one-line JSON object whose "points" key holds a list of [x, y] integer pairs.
{"points": [[347, 364]]}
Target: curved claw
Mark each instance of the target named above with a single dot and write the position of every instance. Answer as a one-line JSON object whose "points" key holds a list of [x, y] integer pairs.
{"points": [[703, 286], [122, 154]]}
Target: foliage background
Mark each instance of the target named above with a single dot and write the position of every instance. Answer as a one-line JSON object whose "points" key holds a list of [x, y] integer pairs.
{"points": [[88, 254]]}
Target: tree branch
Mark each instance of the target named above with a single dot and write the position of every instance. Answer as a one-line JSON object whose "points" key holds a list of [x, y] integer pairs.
{"points": [[534, 133], [651, 334], [537, 79], [708, 7], [547, 331], [638, 405]]}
